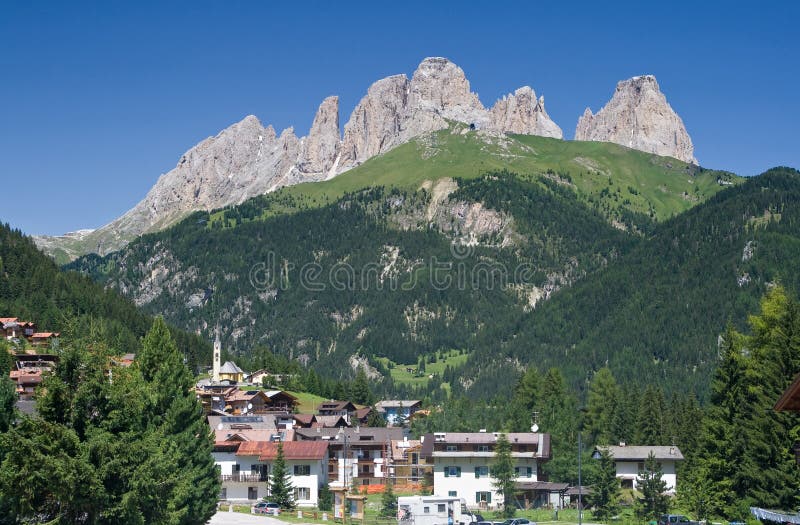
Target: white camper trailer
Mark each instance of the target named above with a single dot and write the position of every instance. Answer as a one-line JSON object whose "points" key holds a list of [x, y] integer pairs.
{"points": [[433, 510]]}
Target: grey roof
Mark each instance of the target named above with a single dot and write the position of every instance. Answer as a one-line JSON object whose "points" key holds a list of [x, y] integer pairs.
{"points": [[265, 422], [526, 438], [397, 403], [377, 434], [640, 452], [230, 368]]}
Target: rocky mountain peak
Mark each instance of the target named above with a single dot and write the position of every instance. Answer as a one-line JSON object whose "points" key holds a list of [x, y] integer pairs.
{"points": [[321, 146], [639, 117], [522, 113], [441, 87]]}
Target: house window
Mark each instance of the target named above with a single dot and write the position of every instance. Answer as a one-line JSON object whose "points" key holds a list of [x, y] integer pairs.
{"points": [[302, 470], [235, 469], [426, 510], [483, 497], [252, 493], [440, 508], [452, 494], [223, 494], [523, 472], [302, 493], [640, 466], [482, 448], [452, 448], [481, 472], [414, 458], [452, 472]]}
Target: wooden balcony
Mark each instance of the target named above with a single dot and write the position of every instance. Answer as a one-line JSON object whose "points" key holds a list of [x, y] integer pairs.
{"points": [[244, 478]]}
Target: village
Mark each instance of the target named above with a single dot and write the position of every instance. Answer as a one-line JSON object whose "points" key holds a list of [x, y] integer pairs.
{"points": [[331, 445]]}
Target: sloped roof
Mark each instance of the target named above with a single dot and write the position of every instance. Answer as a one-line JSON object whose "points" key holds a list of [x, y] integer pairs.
{"points": [[362, 434], [396, 403], [292, 450], [790, 400], [640, 452], [230, 368], [399, 447]]}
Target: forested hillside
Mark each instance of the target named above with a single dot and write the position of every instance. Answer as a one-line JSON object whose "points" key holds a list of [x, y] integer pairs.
{"points": [[33, 288], [511, 270], [655, 313]]}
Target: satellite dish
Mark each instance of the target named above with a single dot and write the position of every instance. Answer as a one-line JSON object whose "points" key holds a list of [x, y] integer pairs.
{"points": [[535, 428], [249, 406], [220, 426], [244, 410]]}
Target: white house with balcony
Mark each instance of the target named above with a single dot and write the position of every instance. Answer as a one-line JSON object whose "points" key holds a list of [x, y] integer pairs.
{"points": [[629, 463], [462, 463], [246, 468]]}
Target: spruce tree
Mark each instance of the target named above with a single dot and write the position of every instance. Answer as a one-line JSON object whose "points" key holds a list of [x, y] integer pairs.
{"points": [[605, 491], [388, 501], [8, 394], [325, 498], [601, 404], [502, 471], [650, 419], [654, 500], [281, 490]]}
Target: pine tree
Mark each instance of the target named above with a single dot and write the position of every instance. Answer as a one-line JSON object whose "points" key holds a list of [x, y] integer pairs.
{"points": [[601, 404], [325, 498], [281, 490], [650, 418], [502, 471], [8, 394], [605, 491], [654, 500], [388, 501]]}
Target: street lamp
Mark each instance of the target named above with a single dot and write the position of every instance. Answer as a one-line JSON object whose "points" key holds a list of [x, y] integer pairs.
{"points": [[580, 487], [341, 434]]}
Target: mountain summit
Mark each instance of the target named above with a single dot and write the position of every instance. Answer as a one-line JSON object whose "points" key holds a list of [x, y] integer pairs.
{"points": [[639, 117], [248, 159]]}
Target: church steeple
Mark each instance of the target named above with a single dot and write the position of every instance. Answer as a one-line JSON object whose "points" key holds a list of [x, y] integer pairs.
{"points": [[217, 357]]}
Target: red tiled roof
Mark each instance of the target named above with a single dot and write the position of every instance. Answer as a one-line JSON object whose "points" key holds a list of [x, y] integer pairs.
{"points": [[292, 450], [7, 320], [45, 335]]}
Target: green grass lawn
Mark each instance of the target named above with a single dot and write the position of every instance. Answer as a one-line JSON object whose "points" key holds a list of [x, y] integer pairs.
{"points": [[308, 402], [401, 375]]}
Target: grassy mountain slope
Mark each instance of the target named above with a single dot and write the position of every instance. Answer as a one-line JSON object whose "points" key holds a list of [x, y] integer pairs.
{"points": [[33, 288], [612, 178]]}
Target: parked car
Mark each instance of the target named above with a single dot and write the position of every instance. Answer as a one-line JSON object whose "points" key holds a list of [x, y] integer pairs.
{"points": [[264, 507], [673, 519], [518, 521]]}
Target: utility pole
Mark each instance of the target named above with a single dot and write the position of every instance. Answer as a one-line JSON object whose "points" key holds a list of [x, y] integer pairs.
{"points": [[580, 487]]}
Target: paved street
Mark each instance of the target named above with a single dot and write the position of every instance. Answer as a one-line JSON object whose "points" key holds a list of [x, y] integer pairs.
{"points": [[224, 517]]}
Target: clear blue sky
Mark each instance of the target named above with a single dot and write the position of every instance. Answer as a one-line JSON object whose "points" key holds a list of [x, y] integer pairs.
{"points": [[98, 99]]}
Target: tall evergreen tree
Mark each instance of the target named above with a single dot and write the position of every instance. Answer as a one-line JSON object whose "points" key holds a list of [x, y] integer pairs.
{"points": [[502, 471], [601, 404], [325, 498], [605, 491], [654, 500], [8, 394], [745, 445], [650, 418], [388, 501], [281, 490]]}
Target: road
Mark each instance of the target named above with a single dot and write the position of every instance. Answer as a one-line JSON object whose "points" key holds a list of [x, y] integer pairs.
{"points": [[224, 517]]}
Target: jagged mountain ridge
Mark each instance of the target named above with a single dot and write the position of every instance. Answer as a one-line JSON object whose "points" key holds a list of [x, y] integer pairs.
{"points": [[248, 159]]}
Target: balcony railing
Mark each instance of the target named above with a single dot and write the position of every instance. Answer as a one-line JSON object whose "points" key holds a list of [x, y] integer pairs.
{"points": [[244, 478]]}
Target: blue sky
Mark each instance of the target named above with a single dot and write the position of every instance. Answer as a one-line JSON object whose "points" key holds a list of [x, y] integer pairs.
{"points": [[98, 99]]}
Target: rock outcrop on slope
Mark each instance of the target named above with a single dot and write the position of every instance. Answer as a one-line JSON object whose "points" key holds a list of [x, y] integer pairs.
{"points": [[639, 117], [522, 113], [248, 159]]}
